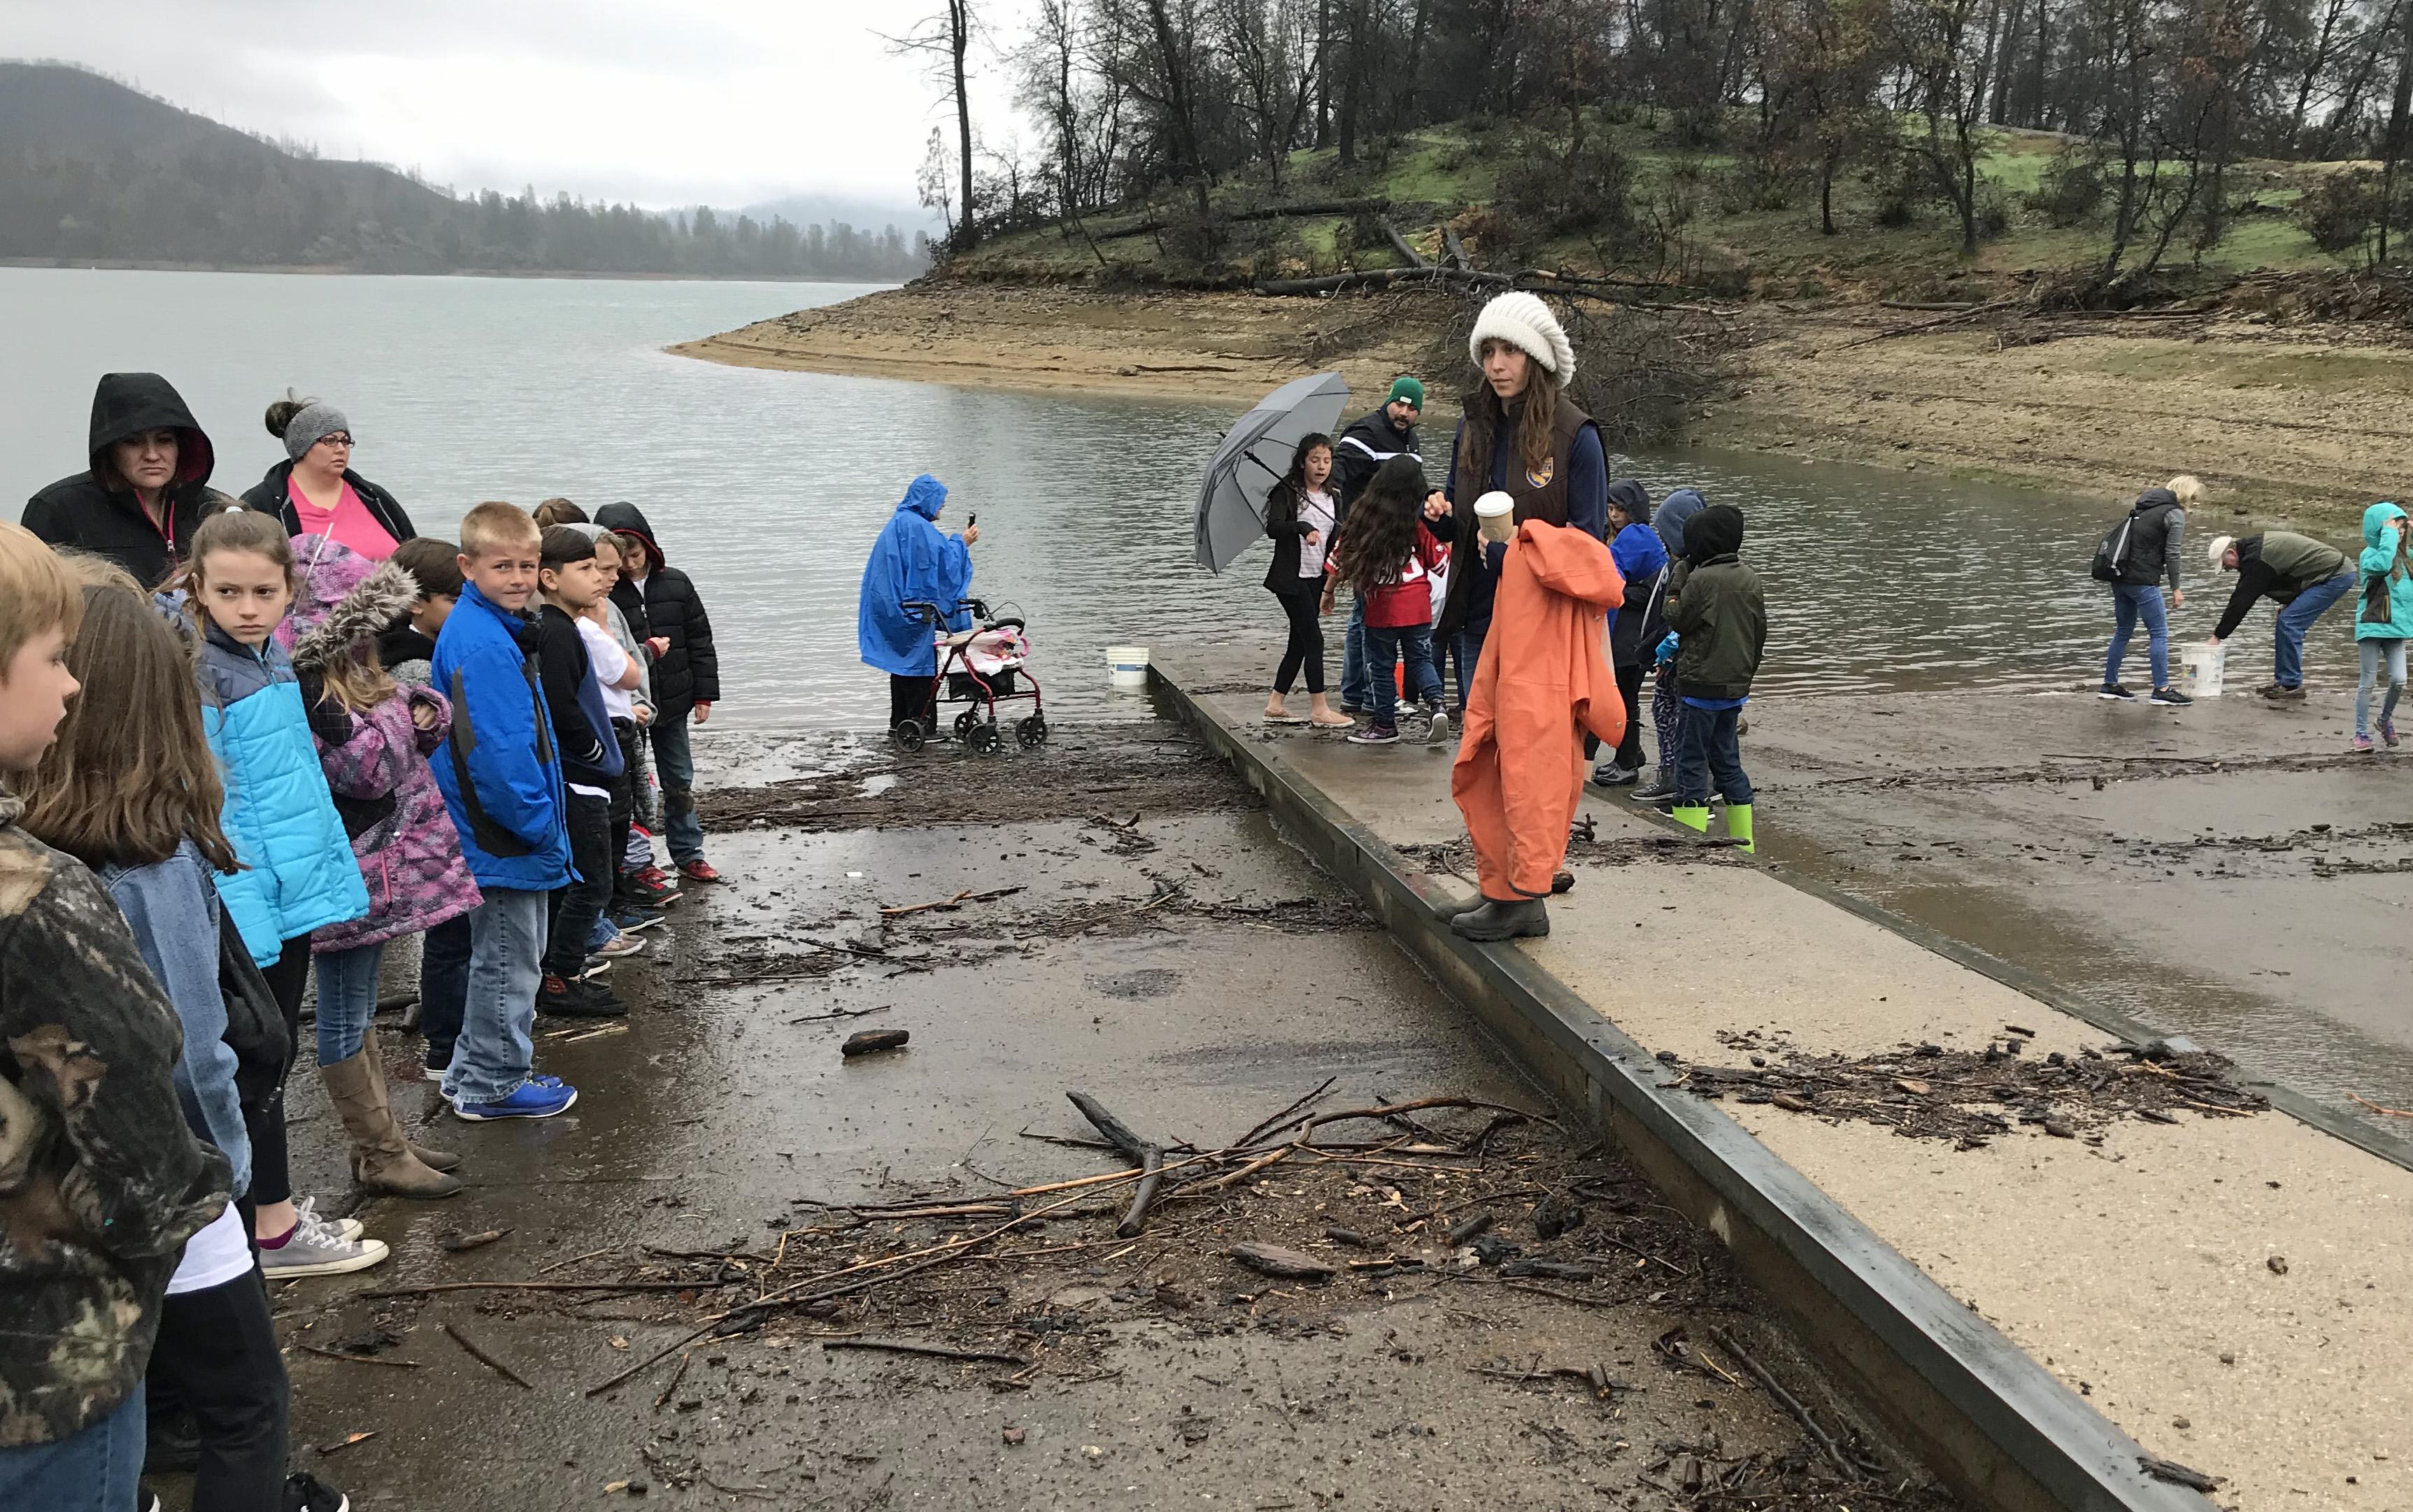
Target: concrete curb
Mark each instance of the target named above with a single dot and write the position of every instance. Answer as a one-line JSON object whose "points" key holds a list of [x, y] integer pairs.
{"points": [[1985, 1418]]}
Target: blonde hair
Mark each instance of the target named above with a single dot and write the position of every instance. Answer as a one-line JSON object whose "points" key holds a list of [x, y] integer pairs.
{"points": [[2187, 488], [493, 524], [356, 683], [39, 593]]}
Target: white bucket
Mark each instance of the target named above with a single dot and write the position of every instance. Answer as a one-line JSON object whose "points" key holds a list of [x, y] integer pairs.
{"points": [[2200, 669], [1126, 665]]}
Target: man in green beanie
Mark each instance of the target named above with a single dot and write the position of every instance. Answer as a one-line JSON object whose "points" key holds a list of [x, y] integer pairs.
{"points": [[1388, 432]]}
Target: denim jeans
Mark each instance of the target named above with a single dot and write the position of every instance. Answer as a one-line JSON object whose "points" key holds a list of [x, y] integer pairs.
{"points": [[443, 987], [1666, 718], [1356, 692], [2288, 660], [1466, 650], [570, 912], [95, 1471], [2373, 651], [1705, 746], [2130, 603], [1384, 645], [347, 985], [676, 764], [492, 1058]]}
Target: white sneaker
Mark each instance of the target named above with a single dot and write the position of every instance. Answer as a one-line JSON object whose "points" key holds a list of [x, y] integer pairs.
{"points": [[319, 1247]]}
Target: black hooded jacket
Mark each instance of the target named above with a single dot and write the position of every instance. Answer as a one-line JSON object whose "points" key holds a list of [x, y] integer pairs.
{"points": [[96, 511], [689, 672], [1362, 448], [273, 494]]}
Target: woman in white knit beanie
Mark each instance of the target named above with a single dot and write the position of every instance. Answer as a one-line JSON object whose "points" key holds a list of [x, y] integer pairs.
{"points": [[1521, 435]]}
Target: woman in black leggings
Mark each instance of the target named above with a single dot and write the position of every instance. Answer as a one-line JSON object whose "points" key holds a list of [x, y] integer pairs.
{"points": [[1300, 516]]}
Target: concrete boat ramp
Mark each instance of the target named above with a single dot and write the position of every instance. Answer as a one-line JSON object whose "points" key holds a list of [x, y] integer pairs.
{"points": [[2228, 1292]]}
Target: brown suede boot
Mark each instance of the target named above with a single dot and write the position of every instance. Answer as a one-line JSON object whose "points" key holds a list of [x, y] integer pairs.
{"points": [[381, 1158]]}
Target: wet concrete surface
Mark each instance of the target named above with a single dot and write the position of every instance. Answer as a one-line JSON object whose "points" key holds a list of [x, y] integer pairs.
{"points": [[1178, 959], [2227, 871]]}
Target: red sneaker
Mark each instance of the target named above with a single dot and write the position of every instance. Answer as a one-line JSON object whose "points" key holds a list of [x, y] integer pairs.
{"points": [[699, 869]]}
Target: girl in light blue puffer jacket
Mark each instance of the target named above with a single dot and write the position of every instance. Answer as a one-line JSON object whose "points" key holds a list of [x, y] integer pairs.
{"points": [[298, 872], [2383, 619]]}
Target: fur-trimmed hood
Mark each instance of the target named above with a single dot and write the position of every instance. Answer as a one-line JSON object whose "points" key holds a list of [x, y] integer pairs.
{"points": [[345, 601]]}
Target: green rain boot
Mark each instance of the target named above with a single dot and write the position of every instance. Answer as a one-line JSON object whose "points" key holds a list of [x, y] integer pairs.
{"points": [[1696, 818], [1738, 826]]}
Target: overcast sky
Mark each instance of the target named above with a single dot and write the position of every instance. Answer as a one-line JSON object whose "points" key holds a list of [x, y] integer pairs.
{"points": [[664, 102]]}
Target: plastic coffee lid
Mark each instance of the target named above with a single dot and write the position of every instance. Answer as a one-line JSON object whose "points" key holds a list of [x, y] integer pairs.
{"points": [[1492, 505]]}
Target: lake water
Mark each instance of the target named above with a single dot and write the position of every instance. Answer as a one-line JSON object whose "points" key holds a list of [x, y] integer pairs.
{"points": [[768, 487]]}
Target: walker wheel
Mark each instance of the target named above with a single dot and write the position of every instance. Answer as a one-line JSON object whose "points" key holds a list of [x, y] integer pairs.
{"points": [[982, 740], [1032, 731], [908, 734], [964, 723]]}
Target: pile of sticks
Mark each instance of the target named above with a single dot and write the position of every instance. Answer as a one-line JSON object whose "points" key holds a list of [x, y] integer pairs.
{"points": [[1157, 1172]]}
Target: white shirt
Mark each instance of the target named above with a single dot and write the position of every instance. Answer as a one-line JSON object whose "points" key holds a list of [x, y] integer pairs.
{"points": [[611, 664], [214, 1256], [1315, 513]]}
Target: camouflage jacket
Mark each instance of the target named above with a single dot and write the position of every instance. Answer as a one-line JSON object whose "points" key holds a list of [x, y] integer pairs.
{"points": [[101, 1182]]}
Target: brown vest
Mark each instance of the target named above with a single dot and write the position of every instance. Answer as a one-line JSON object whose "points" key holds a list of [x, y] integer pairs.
{"points": [[1540, 494]]}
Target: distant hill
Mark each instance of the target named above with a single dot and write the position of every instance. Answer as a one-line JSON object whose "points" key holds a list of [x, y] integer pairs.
{"points": [[93, 171]]}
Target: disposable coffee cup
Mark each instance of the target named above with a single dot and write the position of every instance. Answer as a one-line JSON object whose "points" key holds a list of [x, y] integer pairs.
{"points": [[1495, 516]]}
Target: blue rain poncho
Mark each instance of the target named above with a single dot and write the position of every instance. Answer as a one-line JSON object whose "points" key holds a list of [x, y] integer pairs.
{"points": [[912, 561]]}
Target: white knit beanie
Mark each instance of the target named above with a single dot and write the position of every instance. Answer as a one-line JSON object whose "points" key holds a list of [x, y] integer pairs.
{"points": [[1523, 321]]}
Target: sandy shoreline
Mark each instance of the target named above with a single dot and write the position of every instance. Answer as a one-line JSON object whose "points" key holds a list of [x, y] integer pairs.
{"points": [[2298, 423]]}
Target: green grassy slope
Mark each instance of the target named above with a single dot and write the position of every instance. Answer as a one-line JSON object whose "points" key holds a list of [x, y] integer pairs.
{"points": [[1441, 172]]}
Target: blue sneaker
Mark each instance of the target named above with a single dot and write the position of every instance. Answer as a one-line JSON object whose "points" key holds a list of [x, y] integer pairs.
{"points": [[633, 918], [531, 1100]]}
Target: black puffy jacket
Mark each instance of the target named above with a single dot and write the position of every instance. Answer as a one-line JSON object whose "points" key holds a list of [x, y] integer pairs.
{"points": [[273, 494], [689, 672], [93, 511]]}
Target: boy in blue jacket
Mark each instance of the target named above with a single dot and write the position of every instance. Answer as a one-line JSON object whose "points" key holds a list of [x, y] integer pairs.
{"points": [[501, 779]]}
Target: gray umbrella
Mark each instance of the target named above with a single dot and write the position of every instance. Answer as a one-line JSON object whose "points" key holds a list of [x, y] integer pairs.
{"points": [[1254, 456]]}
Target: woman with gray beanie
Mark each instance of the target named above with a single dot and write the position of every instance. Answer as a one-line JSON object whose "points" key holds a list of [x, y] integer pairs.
{"points": [[314, 490]]}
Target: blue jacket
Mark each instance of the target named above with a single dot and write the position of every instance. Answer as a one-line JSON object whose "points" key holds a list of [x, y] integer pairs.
{"points": [[911, 560], [497, 770], [174, 914], [298, 871], [2383, 530]]}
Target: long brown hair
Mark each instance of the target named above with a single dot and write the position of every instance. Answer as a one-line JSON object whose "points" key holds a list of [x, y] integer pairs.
{"points": [[1536, 411], [1380, 534], [130, 776]]}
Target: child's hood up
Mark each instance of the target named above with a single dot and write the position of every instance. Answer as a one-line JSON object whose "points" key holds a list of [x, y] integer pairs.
{"points": [[1571, 562], [627, 519], [2377, 519]]}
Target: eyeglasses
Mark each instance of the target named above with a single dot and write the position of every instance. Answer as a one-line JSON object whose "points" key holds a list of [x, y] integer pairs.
{"points": [[336, 438]]}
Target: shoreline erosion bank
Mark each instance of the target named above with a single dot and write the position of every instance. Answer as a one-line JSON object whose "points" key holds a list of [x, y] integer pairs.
{"points": [[2296, 424]]}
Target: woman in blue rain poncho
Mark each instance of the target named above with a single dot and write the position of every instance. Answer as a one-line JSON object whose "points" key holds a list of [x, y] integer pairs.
{"points": [[912, 562]]}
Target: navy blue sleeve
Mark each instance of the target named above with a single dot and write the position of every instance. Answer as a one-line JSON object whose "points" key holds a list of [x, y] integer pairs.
{"points": [[1449, 484], [1588, 485]]}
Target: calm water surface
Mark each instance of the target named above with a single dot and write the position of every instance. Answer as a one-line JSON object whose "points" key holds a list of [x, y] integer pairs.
{"points": [[768, 487]]}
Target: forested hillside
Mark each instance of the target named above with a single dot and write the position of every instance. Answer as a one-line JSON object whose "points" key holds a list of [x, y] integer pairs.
{"points": [[2120, 137], [92, 171]]}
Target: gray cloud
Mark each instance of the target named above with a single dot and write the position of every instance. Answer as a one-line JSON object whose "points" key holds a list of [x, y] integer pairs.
{"points": [[652, 101]]}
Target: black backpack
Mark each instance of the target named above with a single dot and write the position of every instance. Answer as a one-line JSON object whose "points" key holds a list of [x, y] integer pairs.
{"points": [[255, 1024], [2112, 551]]}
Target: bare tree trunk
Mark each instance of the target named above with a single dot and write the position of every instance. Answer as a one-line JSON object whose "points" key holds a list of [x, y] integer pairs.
{"points": [[2396, 114], [960, 38], [1323, 73]]}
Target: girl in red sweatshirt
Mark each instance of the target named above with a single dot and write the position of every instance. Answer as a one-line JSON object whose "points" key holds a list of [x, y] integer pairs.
{"points": [[1387, 555]]}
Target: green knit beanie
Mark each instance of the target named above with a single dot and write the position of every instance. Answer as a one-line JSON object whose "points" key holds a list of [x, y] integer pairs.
{"points": [[1408, 389]]}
